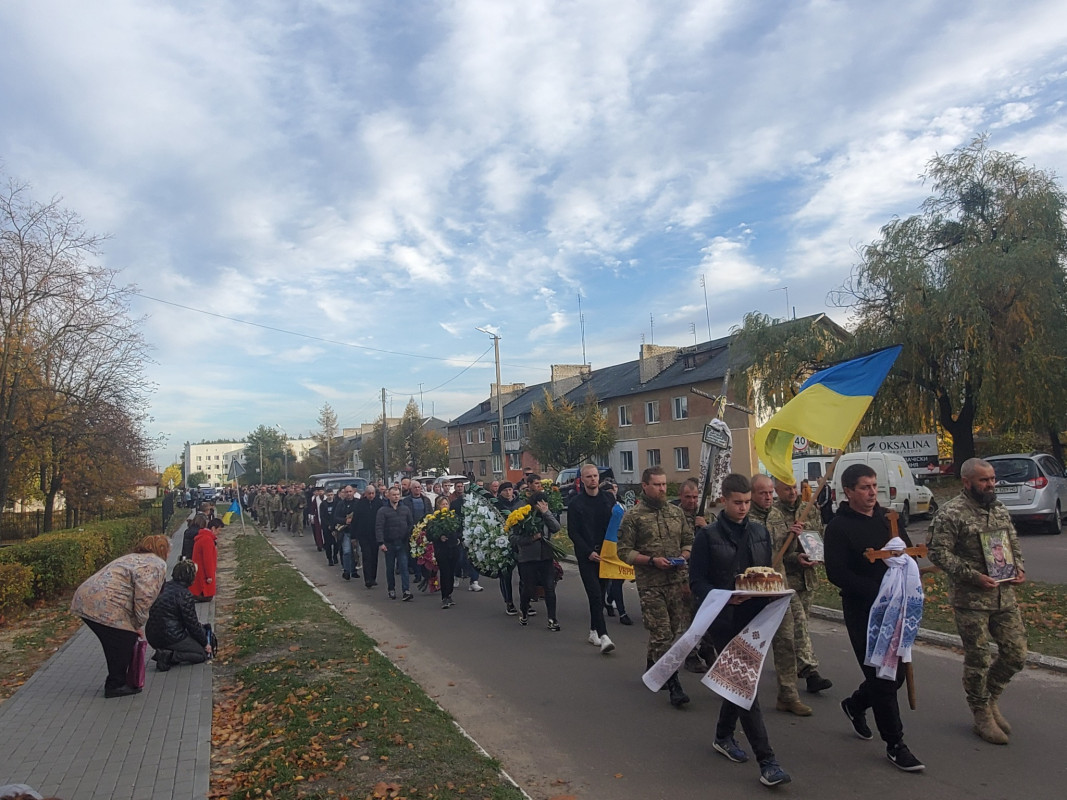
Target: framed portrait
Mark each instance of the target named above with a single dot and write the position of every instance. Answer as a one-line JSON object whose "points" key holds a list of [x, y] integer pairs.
{"points": [[999, 560], [811, 543]]}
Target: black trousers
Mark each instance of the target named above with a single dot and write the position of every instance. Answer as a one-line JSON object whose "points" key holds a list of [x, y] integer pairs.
{"points": [[874, 693], [447, 563], [187, 651], [369, 551], [729, 713], [594, 591], [533, 574], [118, 651], [613, 594], [333, 548]]}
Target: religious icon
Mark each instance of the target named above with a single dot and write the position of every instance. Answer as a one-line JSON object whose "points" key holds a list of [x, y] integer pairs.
{"points": [[811, 543], [999, 561]]}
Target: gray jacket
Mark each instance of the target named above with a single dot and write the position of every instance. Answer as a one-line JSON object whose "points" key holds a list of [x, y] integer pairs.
{"points": [[530, 549]]}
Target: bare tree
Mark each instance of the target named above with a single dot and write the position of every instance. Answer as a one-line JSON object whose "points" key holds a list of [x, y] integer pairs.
{"points": [[328, 431], [68, 346]]}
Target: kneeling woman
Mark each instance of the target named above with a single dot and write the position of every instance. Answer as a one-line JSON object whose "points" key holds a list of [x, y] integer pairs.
{"points": [[173, 629]]}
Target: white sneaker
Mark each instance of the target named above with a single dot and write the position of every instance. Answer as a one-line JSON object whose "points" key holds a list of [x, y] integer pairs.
{"points": [[606, 645], [594, 639], [474, 587]]}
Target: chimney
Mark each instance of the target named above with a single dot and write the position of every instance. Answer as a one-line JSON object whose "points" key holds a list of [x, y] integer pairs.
{"points": [[507, 392], [566, 377], [654, 359]]}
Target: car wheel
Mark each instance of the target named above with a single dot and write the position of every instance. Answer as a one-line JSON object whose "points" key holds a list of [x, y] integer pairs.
{"points": [[1056, 526], [933, 508], [905, 516]]}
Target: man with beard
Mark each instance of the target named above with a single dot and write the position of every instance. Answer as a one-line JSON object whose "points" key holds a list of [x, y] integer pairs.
{"points": [[985, 608], [656, 539]]}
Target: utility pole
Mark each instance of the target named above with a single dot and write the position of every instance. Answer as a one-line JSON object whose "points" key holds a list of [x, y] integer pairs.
{"points": [[385, 442], [499, 404], [707, 308]]}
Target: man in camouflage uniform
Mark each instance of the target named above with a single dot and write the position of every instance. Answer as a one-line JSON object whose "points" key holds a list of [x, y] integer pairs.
{"points": [[983, 607], [651, 534], [294, 506], [689, 501], [801, 578], [782, 645], [274, 508], [259, 506]]}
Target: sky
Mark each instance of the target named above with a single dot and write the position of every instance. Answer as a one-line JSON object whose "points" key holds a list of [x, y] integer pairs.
{"points": [[319, 200]]}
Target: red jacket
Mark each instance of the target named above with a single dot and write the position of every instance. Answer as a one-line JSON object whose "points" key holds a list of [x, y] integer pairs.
{"points": [[206, 558]]}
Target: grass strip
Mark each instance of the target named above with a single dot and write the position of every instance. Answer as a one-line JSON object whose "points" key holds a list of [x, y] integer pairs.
{"points": [[305, 707], [1043, 605]]}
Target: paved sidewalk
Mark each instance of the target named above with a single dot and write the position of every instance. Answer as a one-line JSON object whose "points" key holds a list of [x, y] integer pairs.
{"points": [[59, 735]]}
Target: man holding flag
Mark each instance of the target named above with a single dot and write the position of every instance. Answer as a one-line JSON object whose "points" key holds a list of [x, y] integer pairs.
{"points": [[588, 517]]}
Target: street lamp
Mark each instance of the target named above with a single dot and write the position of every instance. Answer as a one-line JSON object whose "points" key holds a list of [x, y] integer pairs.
{"points": [[285, 450], [499, 405]]}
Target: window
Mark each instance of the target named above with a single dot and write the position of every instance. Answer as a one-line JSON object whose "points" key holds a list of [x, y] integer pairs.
{"points": [[470, 437], [199, 458], [494, 431], [481, 437], [689, 361], [514, 461], [511, 429], [496, 464], [681, 458], [627, 460], [653, 458], [481, 467], [624, 417], [652, 411], [681, 407]]}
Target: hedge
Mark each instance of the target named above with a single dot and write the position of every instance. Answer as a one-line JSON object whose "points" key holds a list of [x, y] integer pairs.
{"points": [[63, 559], [16, 587]]}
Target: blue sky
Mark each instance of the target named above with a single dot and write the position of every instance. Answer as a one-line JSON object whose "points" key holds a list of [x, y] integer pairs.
{"points": [[392, 175]]}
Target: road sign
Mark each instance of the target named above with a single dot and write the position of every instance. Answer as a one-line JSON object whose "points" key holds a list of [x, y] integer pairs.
{"points": [[236, 470], [800, 444]]}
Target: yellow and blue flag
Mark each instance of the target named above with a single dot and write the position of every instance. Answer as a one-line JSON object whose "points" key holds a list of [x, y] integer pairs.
{"points": [[235, 508], [611, 566], [827, 410]]}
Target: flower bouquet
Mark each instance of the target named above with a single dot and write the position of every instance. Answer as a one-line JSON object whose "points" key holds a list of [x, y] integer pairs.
{"points": [[488, 548], [526, 520], [422, 552], [553, 496]]}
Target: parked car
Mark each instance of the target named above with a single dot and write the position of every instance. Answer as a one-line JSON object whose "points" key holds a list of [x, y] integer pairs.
{"points": [[340, 482], [896, 485], [1033, 487], [568, 481]]}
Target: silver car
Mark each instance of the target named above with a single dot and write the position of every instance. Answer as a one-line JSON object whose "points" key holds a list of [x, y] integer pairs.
{"points": [[1033, 487]]}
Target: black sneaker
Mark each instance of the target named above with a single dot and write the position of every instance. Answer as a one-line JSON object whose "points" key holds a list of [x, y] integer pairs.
{"points": [[523, 618], [510, 610], [532, 612], [346, 576], [902, 758], [858, 720], [392, 595], [625, 619], [553, 625], [446, 602], [817, 683], [408, 596]]}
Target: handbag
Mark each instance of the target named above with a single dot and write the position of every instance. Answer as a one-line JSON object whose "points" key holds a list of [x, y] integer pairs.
{"points": [[212, 639], [135, 673]]}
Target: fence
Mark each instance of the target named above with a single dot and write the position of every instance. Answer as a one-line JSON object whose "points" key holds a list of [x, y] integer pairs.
{"points": [[20, 526]]}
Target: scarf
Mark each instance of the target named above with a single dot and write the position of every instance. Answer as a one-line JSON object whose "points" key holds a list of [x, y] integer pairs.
{"points": [[895, 615], [735, 673]]}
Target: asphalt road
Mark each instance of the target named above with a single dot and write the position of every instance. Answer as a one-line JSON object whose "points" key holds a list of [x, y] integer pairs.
{"points": [[565, 720]]}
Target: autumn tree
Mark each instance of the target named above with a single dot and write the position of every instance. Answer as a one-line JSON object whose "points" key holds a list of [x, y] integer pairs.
{"points": [[172, 473], [327, 435], [266, 446], [67, 341], [563, 434], [973, 288]]}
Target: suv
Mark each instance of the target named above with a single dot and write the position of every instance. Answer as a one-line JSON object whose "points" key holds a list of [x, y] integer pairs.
{"points": [[1033, 487], [568, 481], [338, 483]]}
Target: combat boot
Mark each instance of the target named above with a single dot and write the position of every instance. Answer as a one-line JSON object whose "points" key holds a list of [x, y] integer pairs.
{"points": [[994, 709], [678, 696], [986, 727], [792, 704]]}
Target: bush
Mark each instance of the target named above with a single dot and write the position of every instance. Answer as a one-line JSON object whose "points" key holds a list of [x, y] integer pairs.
{"points": [[63, 559], [16, 587]]}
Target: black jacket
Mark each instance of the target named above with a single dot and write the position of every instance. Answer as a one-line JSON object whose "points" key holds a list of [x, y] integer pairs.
{"points": [[341, 512], [721, 551], [393, 526], [848, 535], [187, 541], [172, 617], [587, 522], [364, 518]]}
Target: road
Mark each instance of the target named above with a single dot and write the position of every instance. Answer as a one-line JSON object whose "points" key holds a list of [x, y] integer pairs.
{"points": [[1045, 556], [563, 719]]}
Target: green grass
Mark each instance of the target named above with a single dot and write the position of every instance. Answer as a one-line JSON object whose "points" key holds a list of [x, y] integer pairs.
{"points": [[314, 711], [1043, 605]]}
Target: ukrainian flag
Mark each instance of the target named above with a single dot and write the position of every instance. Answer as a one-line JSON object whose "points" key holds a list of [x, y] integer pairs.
{"points": [[827, 410], [611, 566], [235, 508]]}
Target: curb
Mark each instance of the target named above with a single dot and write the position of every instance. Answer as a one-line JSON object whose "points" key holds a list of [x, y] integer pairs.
{"points": [[951, 640]]}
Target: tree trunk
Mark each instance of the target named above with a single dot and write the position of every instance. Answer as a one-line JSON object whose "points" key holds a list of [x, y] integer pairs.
{"points": [[960, 428], [1057, 445]]}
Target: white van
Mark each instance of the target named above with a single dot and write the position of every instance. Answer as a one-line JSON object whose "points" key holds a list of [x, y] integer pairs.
{"points": [[896, 486], [810, 468]]}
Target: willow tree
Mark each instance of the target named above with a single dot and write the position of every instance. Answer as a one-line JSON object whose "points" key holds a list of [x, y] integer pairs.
{"points": [[563, 434], [974, 289]]}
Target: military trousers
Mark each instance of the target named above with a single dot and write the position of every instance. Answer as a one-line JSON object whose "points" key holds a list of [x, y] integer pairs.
{"points": [[666, 612], [984, 677]]}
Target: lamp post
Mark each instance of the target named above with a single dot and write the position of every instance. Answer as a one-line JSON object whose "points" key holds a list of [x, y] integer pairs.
{"points": [[499, 405]]}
